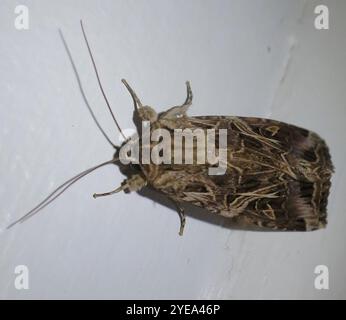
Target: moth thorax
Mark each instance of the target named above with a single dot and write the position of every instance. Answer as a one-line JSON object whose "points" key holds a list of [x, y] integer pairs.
{"points": [[147, 113]]}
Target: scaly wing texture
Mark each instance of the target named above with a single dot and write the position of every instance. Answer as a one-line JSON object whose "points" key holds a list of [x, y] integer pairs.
{"points": [[277, 177]]}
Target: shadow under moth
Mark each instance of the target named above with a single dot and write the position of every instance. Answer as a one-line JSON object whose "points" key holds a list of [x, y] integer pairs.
{"points": [[276, 177]]}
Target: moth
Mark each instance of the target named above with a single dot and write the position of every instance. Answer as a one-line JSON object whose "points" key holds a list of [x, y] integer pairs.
{"points": [[277, 176]]}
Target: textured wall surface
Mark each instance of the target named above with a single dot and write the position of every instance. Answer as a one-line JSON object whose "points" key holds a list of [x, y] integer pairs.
{"points": [[251, 58]]}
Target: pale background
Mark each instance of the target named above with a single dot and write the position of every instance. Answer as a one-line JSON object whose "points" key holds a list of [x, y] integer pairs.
{"points": [[253, 58]]}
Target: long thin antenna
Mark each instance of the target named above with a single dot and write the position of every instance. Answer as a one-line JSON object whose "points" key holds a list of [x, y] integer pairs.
{"points": [[82, 90], [99, 81], [58, 191]]}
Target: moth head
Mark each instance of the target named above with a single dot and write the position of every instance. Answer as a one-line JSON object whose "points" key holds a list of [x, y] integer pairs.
{"points": [[147, 113]]}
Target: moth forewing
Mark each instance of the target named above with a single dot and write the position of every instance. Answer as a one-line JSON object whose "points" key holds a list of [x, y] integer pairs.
{"points": [[277, 176]]}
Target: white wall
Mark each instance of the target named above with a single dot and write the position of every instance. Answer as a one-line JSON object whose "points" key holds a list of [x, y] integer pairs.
{"points": [[255, 58]]}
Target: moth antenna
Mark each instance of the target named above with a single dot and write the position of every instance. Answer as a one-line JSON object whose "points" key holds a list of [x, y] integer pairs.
{"points": [[137, 103], [99, 81], [58, 191], [82, 90]]}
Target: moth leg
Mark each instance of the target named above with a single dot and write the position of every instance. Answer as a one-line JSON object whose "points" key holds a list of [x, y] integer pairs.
{"points": [[180, 111], [137, 103], [96, 195], [188, 101], [181, 213], [135, 183]]}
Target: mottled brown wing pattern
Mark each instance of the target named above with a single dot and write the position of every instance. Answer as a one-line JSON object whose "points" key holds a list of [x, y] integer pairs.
{"points": [[278, 175]]}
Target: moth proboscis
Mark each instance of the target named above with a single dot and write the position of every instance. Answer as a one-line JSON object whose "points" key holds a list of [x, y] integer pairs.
{"points": [[277, 176]]}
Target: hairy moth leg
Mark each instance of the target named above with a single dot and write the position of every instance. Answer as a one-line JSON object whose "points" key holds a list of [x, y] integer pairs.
{"points": [[179, 111], [97, 195], [181, 213], [188, 101], [135, 183]]}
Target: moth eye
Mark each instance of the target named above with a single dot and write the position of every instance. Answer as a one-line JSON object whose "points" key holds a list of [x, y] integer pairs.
{"points": [[135, 167]]}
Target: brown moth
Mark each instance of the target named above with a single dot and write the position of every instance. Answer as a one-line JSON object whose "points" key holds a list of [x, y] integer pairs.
{"points": [[277, 175]]}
